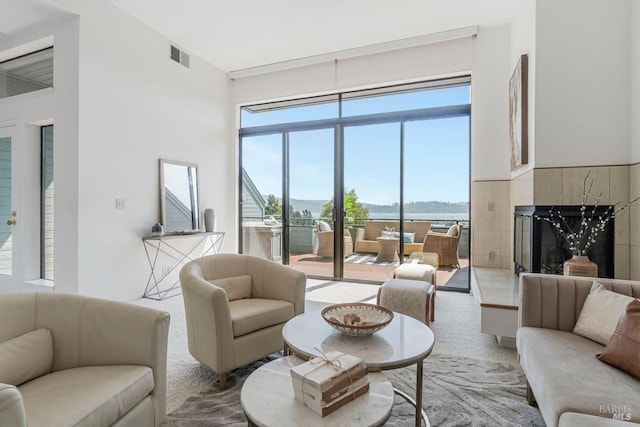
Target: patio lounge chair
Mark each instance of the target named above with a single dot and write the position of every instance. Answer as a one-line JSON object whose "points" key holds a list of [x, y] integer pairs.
{"points": [[445, 245], [325, 240]]}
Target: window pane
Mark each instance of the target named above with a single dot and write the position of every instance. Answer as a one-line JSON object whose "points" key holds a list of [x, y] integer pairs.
{"points": [[262, 196], [374, 101], [26, 73], [47, 204], [300, 110], [6, 207]]}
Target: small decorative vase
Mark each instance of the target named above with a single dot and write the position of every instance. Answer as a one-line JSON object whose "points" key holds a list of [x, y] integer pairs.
{"points": [[157, 230], [580, 266], [209, 219]]}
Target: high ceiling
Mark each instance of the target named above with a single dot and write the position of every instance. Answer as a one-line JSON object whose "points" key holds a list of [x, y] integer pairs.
{"points": [[238, 34]]}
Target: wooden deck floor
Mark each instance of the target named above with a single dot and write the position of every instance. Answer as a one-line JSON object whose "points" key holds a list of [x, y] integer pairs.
{"points": [[322, 267]]}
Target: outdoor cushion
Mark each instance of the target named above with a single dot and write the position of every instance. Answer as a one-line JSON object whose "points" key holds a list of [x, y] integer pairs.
{"points": [[565, 374], [26, 357], [86, 396], [237, 287], [452, 231], [408, 237], [323, 226], [249, 315]]}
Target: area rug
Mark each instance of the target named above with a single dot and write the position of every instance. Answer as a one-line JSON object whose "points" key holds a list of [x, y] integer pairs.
{"points": [[370, 259], [458, 391]]}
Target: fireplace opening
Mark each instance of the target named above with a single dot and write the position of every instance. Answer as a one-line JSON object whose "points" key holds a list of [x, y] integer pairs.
{"points": [[538, 248]]}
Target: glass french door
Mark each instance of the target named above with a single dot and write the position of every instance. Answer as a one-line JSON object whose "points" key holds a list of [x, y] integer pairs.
{"points": [[8, 214], [310, 240], [371, 177]]}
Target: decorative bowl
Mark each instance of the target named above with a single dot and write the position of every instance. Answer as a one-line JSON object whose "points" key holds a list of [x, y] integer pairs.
{"points": [[356, 318]]}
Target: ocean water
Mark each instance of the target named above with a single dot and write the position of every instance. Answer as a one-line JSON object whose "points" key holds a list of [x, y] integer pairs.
{"points": [[423, 216]]}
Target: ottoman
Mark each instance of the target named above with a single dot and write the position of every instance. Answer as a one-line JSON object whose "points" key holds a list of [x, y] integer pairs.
{"points": [[413, 298], [423, 272]]}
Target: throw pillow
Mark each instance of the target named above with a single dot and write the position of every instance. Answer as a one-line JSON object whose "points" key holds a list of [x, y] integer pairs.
{"points": [[452, 231], [237, 287], [623, 350], [390, 234], [408, 237], [600, 313], [323, 226], [26, 357]]}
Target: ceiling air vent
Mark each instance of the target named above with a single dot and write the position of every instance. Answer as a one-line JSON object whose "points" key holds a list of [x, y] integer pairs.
{"points": [[179, 56]]}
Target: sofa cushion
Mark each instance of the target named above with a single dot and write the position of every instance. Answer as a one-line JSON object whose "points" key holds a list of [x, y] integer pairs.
{"points": [[249, 315], [86, 396], [623, 349], [236, 287], [565, 375], [26, 357], [572, 419], [323, 226], [600, 313]]}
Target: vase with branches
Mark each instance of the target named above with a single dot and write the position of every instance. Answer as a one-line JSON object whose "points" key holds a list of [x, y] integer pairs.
{"points": [[582, 234]]}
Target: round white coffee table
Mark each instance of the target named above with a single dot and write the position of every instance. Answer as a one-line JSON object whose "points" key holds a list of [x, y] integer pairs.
{"points": [[405, 341], [267, 400]]}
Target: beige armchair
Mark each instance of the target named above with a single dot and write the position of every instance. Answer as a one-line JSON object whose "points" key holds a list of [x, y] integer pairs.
{"points": [[445, 245], [325, 240], [236, 306]]}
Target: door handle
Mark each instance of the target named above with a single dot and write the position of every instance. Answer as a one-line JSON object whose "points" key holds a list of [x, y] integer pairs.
{"points": [[11, 222]]}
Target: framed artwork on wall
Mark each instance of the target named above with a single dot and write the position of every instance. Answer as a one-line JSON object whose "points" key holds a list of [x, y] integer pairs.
{"points": [[518, 114]]}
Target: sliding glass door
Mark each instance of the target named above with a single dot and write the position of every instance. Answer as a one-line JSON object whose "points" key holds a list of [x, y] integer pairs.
{"points": [[371, 198], [350, 186], [310, 172]]}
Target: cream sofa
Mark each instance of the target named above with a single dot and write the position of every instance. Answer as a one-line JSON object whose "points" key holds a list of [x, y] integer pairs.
{"points": [[95, 362], [570, 386], [366, 237]]}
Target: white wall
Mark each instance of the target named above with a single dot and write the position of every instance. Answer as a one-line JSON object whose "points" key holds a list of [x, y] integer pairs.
{"points": [[523, 41], [582, 82], [58, 105], [635, 81], [490, 105], [136, 106]]}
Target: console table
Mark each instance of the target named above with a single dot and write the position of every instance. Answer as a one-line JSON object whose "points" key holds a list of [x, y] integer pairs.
{"points": [[177, 255]]}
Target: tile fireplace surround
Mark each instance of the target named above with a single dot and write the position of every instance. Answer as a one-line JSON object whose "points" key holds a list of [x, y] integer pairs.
{"points": [[493, 203]]}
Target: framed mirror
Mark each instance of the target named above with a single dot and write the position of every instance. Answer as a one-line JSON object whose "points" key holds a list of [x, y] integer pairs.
{"points": [[179, 197]]}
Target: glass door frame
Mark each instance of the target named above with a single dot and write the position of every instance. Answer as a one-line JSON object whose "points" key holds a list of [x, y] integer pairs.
{"points": [[339, 124]]}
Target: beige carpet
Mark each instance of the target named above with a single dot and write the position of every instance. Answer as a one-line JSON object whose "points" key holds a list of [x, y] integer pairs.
{"points": [[456, 329]]}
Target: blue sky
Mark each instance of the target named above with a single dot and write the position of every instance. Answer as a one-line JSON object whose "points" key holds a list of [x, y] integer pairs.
{"points": [[436, 151]]}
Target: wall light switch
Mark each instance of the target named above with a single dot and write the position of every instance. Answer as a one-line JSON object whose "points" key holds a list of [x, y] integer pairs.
{"points": [[120, 203], [491, 206]]}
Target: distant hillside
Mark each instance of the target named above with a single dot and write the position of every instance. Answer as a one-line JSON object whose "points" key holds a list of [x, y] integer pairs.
{"points": [[315, 206], [421, 207]]}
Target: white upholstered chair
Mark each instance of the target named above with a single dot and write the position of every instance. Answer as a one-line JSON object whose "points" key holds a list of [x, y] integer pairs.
{"points": [[236, 306]]}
